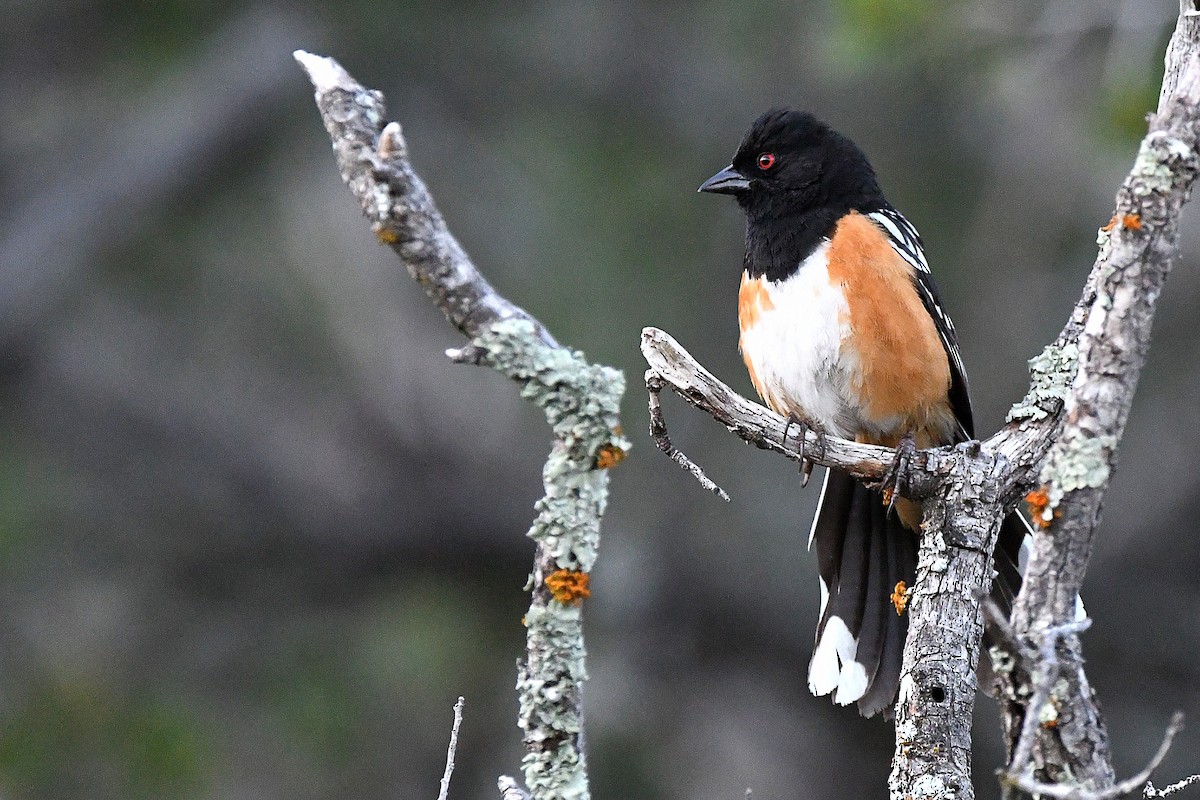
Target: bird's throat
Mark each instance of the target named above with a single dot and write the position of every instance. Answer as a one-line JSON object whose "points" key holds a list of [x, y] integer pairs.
{"points": [[777, 243]]}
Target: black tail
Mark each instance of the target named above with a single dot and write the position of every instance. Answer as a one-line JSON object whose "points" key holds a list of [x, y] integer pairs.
{"points": [[862, 553]]}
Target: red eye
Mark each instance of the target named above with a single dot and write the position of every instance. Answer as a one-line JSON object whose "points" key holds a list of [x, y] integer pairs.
{"points": [[766, 161]]}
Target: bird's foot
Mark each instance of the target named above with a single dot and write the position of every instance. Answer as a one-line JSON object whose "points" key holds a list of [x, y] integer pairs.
{"points": [[906, 448], [805, 426]]}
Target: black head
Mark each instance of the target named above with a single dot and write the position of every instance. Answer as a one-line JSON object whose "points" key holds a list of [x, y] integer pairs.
{"points": [[791, 161], [794, 177]]}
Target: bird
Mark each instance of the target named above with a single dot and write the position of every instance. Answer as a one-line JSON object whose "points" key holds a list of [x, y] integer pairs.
{"points": [[843, 331]]}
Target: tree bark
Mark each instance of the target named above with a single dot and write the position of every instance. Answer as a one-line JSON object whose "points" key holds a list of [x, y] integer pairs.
{"points": [[1137, 250], [581, 402]]}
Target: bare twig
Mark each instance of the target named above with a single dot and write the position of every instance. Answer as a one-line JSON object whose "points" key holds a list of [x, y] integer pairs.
{"points": [[1045, 674], [510, 789], [997, 624], [658, 430], [1061, 791], [1151, 792], [451, 750]]}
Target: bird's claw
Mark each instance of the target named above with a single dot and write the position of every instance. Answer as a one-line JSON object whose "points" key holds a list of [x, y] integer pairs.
{"points": [[805, 426], [906, 448]]}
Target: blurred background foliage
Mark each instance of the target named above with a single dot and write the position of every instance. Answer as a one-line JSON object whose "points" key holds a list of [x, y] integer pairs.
{"points": [[256, 533]]}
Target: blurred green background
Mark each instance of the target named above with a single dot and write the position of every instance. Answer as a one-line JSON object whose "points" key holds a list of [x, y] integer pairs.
{"points": [[257, 533]]}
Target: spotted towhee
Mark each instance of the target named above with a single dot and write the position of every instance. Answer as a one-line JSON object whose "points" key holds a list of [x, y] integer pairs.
{"points": [[842, 329]]}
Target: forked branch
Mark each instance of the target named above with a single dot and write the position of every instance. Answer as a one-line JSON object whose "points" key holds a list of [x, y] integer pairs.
{"points": [[1065, 435], [581, 401]]}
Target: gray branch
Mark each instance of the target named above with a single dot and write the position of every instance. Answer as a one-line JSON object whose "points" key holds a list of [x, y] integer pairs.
{"points": [[1072, 791], [373, 159], [451, 751], [1063, 434], [1150, 792], [1041, 709], [581, 402], [1137, 250]]}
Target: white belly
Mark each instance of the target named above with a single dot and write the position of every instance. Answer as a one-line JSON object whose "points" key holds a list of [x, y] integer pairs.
{"points": [[794, 346]]}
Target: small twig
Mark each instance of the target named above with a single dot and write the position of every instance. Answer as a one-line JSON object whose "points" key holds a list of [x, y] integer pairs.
{"points": [[1151, 792], [458, 709], [467, 354], [658, 429], [510, 789], [1046, 673], [1065, 792], [998, 625]]}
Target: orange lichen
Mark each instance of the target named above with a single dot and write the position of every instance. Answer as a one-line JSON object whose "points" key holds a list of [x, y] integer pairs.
{"points": [[568, 587], [899, 597], [1132, 222], [609, 455], [1039, 507], [386, 235]]}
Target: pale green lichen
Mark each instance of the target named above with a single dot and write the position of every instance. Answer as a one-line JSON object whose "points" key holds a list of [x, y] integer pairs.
{"points": [[581, 402], [1077, 461], [1155, 168], [1050, 374], [555, 632], [548, 694], [1001, 660]]}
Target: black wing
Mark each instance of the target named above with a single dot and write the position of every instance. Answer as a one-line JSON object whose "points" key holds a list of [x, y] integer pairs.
{"points": [[907, 243]]}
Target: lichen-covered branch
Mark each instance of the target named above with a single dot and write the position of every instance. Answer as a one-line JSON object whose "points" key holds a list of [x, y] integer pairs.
{"points": [[1137, 249], [581, 402], [1073, 791]]}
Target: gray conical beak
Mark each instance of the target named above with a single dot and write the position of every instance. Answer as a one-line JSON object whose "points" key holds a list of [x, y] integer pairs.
{"points": [[727, 181]]}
